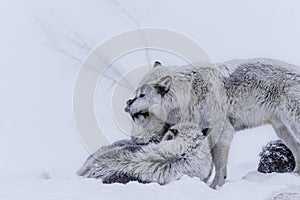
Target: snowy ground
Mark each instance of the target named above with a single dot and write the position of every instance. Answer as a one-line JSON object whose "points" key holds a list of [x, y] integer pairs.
{"points": [[244, 182], [252, 186], [42, 45]]}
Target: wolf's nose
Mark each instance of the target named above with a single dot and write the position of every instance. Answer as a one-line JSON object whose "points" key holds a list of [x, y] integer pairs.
{"points": [[126, 109]]}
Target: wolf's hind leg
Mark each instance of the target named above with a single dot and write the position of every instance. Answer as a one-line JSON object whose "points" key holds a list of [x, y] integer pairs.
{"points": [[296, 130], [287, 135]]}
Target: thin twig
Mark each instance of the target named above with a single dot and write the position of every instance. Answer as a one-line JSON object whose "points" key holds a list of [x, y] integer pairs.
{"points": [[84, 45], [56, 46], [137, 24]]}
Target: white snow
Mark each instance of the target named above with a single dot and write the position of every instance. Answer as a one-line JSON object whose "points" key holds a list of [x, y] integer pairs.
{"points": [[243, 181], [39, 147], [252, 186]]}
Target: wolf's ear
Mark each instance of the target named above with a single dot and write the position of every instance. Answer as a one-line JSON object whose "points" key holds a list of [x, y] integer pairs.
{"points": [[156, 63], [170, 135], [206, 131], [163, 85], [165, 82]]}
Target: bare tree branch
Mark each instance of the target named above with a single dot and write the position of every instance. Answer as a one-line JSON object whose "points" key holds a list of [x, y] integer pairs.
{"points": [[84, 45], [56, 46], [137, 24], [80, 41]]}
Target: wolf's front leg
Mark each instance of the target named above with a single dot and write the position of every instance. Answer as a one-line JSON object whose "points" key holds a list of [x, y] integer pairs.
{"points": [[220, 157]]}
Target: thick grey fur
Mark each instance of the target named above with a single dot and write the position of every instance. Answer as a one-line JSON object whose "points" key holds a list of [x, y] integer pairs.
{"points": [[228, 97], [178, 155]]}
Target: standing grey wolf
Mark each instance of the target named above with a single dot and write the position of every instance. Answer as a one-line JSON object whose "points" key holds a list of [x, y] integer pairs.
{"points": [[228, 97], [182, 151]]}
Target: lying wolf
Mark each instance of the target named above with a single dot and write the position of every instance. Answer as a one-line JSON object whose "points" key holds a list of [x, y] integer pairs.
{"points": [[237, 95], [183, 150]]}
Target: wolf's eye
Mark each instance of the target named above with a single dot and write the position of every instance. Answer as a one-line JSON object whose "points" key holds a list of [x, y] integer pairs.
{"points": [[142, 95], [174, 131], [169, 137]]}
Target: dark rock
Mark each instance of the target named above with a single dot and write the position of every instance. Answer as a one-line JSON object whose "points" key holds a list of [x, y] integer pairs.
{"points": [[276, 157]]}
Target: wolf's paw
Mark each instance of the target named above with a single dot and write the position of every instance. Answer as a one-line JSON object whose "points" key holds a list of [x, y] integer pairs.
{"points": [[217, 182]]}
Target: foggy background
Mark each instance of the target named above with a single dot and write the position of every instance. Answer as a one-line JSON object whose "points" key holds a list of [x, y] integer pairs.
{"points": [[43, 42]]}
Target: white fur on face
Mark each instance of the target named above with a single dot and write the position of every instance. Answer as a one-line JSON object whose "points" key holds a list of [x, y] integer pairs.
{"points": [[159, 111]]}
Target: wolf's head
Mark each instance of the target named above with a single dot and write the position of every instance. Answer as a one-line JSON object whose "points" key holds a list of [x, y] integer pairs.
{"points": [[149, 110], [147, 101], [187, 138], [154, 106], [184, 130]]}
